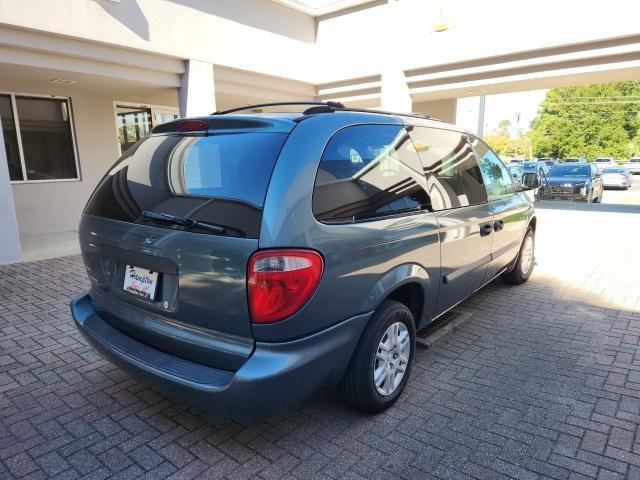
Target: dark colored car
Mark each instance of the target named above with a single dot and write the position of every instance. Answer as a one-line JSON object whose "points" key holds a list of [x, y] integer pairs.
{"points": [[245, 261], [573, 181]]}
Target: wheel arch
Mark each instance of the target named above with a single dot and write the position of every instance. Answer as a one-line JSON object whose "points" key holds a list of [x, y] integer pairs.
{"points": [[407, 284]]}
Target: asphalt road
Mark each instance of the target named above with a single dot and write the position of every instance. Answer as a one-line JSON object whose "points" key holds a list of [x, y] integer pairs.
{"points": [[627, 197]]}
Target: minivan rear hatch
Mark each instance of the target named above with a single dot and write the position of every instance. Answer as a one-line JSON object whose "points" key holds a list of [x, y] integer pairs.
{"points": [[167, 235]]}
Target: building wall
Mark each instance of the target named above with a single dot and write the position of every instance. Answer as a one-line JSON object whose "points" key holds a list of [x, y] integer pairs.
{"points": [[266, 37], [56, 206], [441, 109], [256, 35]]}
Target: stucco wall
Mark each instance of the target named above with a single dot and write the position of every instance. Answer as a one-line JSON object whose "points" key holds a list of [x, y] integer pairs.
{"points": [[56, 206], [257, 35]]}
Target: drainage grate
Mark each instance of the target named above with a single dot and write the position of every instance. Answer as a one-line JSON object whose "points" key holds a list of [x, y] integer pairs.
{"points": [[441, 327]]}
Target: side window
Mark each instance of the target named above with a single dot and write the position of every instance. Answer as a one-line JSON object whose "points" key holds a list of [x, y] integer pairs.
{"points": [[453, 177], [496, 176], [368, 171]]}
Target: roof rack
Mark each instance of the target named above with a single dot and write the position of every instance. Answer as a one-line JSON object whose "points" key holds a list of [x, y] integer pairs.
{"points": [[332, 105], [324, 107]]}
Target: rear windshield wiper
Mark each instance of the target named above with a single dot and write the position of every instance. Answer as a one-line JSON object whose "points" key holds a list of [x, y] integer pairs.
{"points": [[184, 221]]}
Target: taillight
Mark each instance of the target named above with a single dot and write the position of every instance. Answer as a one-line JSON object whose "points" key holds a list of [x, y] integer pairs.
{"points": [[280, 282]]}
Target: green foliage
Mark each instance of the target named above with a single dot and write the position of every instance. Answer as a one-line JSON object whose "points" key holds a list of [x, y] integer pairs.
{"points": [[591, 121], [505, 146]]}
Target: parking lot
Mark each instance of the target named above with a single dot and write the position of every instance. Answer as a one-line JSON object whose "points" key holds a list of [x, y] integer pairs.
{"points": [[542, 382]]}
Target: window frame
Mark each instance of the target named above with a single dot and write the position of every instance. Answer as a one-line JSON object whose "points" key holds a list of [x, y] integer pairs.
{"points": [[155, 109], [16, 123]]}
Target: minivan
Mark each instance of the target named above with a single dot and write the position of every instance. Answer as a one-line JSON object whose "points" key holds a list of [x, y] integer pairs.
{"points": [[243, 260]]}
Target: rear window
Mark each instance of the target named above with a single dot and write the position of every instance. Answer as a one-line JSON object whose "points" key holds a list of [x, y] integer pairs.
{"points": [[220, 178]]}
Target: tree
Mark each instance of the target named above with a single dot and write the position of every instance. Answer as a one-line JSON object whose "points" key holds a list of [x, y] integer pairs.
{"points": [[504, 127], [499, 142], [590, 121]]}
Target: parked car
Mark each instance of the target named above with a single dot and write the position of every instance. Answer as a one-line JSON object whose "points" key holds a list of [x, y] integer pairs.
{"points": [[633, 165], [516, 172], [244, 260], [536, 166], [604, 162], [575, 160], [550, 161], [616, 177], [574, 181]]}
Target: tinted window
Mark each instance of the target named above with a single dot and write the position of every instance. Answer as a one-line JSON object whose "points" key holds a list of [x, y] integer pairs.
{"points": [[220, 178], [496, 176], [368, 171], [47, 143], [453, 176], [10, 138], [570, 171]]}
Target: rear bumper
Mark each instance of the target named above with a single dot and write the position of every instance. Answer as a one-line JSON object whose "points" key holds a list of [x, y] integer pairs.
{"points": [[275, 375]]}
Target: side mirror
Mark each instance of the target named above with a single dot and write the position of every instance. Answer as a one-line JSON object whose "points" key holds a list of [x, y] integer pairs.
{"points": [[530, 181]]}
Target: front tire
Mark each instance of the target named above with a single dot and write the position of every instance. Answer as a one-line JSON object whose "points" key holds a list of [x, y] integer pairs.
{"points": [[525, 261], [381, 365]]}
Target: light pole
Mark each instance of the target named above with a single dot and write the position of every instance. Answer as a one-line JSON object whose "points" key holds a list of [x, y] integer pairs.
{"points": [[515, 153]]}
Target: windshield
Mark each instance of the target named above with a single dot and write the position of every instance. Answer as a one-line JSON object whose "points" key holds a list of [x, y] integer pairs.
{"points": [[570, 171], [613, 170], [634, 160], [571, 160], [530, 167], [603, 160]]}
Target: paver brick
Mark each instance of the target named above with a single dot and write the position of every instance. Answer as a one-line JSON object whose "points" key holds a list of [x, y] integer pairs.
{"points": [[542, 382]]}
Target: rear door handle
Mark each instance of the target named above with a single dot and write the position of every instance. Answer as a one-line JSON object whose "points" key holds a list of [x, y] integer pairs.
{"points": [[498, 225], [486, 229]]}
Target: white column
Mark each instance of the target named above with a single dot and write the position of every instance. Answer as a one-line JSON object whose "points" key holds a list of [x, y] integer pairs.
{"points": [[10, 251], [395, 91], [196, 96]]}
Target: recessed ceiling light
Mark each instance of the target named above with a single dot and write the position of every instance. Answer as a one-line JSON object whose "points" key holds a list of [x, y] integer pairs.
{"points": [[63, 81]]}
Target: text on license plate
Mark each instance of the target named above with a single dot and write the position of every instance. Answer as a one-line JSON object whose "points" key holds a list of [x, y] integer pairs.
{"points": [[140, 281]]}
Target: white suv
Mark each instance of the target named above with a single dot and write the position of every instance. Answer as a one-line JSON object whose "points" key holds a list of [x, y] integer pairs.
{"points": [[605, 162], [633, 165]]}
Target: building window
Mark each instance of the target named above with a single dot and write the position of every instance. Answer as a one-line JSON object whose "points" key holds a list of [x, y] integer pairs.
{"points": [[38, 137]]}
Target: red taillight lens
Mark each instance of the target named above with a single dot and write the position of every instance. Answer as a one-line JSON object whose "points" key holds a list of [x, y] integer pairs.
{"points": [[280, 282], [192, 126]]}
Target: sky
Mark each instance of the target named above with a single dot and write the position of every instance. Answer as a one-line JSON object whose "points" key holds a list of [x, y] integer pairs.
{"points": [[500, 107]]}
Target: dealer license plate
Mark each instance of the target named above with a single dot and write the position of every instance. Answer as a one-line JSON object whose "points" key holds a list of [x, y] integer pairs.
{"points": [[140, 282]]}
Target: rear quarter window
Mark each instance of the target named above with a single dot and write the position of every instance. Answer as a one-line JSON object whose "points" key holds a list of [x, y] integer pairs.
{"points": [[367, 172]]}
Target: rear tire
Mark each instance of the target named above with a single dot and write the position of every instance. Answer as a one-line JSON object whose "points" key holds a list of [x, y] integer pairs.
{"points": [[381, 364], [525, 261]]}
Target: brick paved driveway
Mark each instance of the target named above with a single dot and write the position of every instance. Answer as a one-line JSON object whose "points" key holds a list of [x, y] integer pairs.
{"points": [[543, 382]]}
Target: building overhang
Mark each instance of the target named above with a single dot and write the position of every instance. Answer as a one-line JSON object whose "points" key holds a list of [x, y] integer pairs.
{"points": [[319, 8]]}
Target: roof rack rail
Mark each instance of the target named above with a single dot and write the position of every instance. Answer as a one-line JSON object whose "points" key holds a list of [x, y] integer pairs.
{"points": [[331, 105], [324, 107], [386, 112]]}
